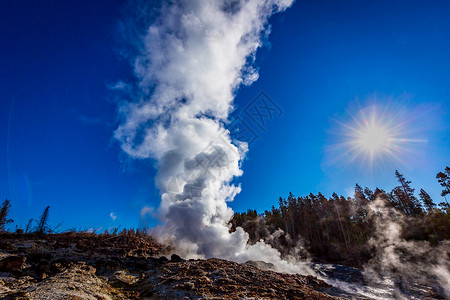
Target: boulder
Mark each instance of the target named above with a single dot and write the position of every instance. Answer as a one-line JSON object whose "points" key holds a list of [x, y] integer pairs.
{"points": [[175, 258], [12, 263]]}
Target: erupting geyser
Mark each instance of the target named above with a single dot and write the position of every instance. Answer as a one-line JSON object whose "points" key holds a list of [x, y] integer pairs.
{"points": [[194, 56]]}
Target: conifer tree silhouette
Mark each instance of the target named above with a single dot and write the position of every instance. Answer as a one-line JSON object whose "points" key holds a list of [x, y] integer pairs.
{"points": [[444, 180], [28, 228], [4, 215], [42, 224]]}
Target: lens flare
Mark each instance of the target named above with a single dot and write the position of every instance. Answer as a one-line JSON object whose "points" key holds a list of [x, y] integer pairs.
{"points": [[372, 138], [376, 134]]}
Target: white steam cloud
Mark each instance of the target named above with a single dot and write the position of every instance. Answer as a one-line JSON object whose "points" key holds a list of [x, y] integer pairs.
{"points": [[194, 56], [403, 266]]}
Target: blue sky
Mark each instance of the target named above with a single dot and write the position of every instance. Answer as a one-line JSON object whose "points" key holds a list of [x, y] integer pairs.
{"points": [[323, 61]]}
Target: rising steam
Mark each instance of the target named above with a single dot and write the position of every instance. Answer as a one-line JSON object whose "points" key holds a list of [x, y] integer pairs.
{"points": [[403, 266], [193, 57]]}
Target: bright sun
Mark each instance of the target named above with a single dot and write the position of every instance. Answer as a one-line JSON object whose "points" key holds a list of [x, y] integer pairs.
{"points": [[372, 135], [373, 138], [376, 136]]}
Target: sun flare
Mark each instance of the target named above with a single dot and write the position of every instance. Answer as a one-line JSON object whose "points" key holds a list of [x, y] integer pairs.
{"points": [[373, 138], [375, 134]]}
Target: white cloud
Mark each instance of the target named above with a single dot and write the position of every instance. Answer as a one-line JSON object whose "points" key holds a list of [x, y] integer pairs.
{"points": [[146, 210], [113, 216], [120, 86]]}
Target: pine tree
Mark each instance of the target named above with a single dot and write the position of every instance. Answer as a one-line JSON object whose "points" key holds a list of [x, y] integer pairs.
{"points": [[28, 228], [404, 196], [359, 194], [369, 194], [444, 179], [4, 215], [427, 201], [361, 203], [42, 224]]}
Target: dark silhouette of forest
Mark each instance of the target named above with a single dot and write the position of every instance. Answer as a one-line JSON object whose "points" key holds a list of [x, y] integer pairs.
{"points": [[338, 229]]}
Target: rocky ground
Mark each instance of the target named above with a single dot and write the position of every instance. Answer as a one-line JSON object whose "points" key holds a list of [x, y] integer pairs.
{"points": [[91, 266]]}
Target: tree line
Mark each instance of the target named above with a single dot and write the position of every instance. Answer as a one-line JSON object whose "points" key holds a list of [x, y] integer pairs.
{"points": [[334, 229], [337, 229], [40, 227]]}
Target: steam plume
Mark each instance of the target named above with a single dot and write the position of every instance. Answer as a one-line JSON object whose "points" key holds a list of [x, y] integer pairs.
{"points": [[193, 58], [402, 265]]}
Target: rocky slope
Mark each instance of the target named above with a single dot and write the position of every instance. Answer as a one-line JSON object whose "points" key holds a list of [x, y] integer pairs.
{"points": [[91, 266]]}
